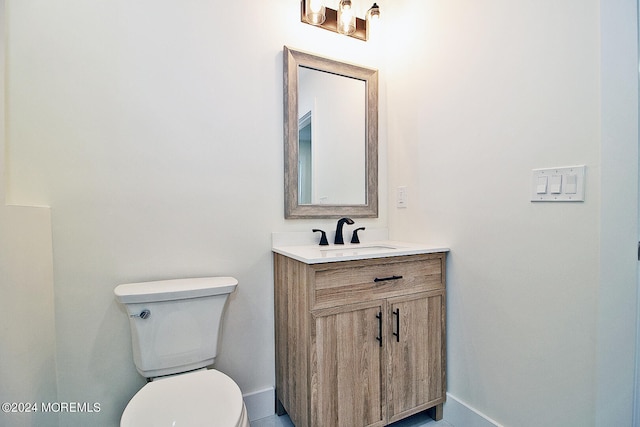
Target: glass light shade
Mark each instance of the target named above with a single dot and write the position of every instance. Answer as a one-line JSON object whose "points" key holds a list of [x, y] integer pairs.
{"points": [[346, 18], [315, 12], [374, 13]]}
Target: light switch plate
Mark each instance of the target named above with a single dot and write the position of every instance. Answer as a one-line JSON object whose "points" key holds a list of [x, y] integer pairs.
{"points": [[566, 184]]}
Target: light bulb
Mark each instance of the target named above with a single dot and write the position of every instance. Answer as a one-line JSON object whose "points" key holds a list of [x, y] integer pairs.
{"points": [[315, 6], [315, 12], [346, 21], [345, 5], [374, 13]]}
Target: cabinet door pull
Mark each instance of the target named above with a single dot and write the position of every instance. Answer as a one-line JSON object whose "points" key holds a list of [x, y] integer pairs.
{"points": [[384, 279], [396, 334], [379, 337]]}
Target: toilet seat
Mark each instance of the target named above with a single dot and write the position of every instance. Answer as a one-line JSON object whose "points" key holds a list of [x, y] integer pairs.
{"points": [[200, 398]]}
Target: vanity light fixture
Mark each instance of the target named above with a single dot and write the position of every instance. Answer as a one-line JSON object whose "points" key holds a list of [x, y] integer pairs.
{"points": [[342, 20]]}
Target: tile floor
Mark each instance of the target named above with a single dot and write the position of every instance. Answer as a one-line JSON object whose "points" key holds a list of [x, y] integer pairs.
{"points": [[418, 420]]}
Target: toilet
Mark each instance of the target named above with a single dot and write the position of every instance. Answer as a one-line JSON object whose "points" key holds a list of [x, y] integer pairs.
{"points": [[174, 331]]}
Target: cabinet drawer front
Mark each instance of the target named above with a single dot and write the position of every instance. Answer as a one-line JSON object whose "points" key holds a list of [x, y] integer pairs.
{"points": [[376, 279]]}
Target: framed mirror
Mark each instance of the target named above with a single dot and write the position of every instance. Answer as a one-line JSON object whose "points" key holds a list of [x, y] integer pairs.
{"points": [[330, 137]]}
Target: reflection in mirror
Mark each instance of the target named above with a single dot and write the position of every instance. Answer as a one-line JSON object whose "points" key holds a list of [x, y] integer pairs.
{"points": [[305, 161], [331, 138]]}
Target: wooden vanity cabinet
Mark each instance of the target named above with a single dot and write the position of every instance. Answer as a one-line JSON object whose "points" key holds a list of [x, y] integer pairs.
{"points": [[360, 343]]}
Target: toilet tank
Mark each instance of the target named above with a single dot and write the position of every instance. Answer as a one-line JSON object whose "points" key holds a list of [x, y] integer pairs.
{"points": [[175, 323]]}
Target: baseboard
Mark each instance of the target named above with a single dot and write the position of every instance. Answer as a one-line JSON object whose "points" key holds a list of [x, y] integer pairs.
{"points": [[460, 414], [260, 404]]}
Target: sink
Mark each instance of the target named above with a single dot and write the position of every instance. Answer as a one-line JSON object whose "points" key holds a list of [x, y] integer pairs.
{"points": [[365, 249], [314, 254]]}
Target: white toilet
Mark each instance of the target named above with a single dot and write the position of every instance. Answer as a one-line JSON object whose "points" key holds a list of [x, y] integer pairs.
{"points": [[174, 330]]}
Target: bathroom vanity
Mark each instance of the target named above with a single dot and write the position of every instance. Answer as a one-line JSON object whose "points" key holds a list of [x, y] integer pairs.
{"points": [[360, 333]]}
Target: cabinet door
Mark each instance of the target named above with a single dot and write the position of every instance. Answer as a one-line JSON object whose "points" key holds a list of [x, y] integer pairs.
{"points": [[347, 367], [416, 354]]}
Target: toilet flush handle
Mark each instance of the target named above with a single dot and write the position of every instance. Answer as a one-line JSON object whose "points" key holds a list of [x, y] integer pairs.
{"points": [[144, 314]]}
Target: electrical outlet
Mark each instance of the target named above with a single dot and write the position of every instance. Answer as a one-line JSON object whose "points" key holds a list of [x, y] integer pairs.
{"points": [[402, 197]]}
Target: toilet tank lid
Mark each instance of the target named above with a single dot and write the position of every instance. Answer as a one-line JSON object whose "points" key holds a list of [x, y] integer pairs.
{"points": [[167, 290]]}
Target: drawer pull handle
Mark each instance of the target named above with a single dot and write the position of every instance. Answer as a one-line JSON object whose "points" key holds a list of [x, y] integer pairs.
{"points": [[396, 334], [384, 279], [379, 337]]}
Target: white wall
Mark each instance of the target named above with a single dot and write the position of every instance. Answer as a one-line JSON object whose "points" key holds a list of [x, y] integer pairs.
{"points": [[153, 129], [541, 297], [27, 332], [618, 290]]}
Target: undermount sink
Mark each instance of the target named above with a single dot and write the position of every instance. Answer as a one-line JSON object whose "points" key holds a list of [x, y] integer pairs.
{"points": [[364, 249], [314, 254]]}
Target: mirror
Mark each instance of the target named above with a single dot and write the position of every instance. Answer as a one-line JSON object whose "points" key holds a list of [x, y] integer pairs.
{"points": [[331, 137]]}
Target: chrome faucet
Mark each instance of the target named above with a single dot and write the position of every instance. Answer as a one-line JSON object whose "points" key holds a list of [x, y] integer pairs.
{"points": [[339, 240]]}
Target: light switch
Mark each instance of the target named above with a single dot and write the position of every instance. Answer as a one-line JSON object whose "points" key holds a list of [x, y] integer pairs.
{"points": [[560, 184], [541, 188], [555, 185], [571, 187]]}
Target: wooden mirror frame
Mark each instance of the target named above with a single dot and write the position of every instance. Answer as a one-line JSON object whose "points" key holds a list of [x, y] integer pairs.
{"points": [[292, 209]]}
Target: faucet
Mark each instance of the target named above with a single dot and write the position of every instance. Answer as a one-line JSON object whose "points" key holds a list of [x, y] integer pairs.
{"points": [[323, 237], [339, 240], [354, 237]]}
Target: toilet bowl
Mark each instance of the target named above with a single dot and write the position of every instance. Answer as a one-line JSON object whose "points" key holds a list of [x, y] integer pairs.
{"points": [[175, 327], [201, 398]]}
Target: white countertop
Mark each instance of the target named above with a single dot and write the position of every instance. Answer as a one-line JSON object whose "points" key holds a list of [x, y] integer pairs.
{"points": [[315, 254]]}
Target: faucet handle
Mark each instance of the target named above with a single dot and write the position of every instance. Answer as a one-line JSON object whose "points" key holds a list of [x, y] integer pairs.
{"points": [[354, 237], [323, 238]]}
